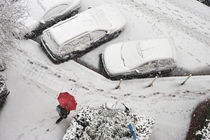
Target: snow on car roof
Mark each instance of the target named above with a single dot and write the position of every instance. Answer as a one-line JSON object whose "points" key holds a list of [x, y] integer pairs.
{"points": [[132, 54], [145, 51], [84, 22], [155, 49]]}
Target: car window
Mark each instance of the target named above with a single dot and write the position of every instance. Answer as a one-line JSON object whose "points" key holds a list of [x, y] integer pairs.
{"points": [[67, 48], [144, 67], [148, 67], [81, 42], [95, 35], [55, 11], [85, 39], [156, 65]]}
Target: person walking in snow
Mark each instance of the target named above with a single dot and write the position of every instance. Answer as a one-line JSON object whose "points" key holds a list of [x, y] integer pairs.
{"points": [[67, 103]]}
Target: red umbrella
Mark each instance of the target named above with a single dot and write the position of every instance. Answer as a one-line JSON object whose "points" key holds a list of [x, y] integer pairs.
{"points": [[67, 101]]}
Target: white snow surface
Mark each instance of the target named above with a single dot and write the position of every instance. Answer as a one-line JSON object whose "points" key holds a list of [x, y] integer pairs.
{"points": [[34, 82]]}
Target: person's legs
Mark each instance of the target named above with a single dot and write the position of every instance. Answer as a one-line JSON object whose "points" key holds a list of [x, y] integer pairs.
{"points": [[59, 120], [63, 113], [59, 110]]}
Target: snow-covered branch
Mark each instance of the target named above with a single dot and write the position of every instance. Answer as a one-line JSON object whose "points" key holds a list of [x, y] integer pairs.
{"points": [[108, 124], [11, 27]]}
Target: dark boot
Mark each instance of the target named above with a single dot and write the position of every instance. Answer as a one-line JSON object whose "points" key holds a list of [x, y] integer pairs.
{"points": [[59, 120]]}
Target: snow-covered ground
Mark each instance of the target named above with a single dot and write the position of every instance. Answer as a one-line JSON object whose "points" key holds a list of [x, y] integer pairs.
{"points": [[34, 81]]}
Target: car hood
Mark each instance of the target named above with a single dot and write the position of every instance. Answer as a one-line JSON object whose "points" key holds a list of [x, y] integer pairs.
{"points": [[114, 15], [113, 61]]}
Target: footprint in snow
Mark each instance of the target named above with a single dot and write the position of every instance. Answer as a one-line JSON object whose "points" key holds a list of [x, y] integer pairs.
{"points": [[20, 136]]}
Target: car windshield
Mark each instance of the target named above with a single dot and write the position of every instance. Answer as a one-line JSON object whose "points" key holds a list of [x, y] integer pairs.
{"points": [[53, 42], [131, 56]]}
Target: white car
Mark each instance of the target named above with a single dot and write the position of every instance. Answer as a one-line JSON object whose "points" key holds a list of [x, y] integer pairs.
{"points": [[48, 12], [53, 9], [75, 36], [141, 57]]}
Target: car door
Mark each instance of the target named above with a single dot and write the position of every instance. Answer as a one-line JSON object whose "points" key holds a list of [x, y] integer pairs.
{"points": [[166, 64], [147, 68]]}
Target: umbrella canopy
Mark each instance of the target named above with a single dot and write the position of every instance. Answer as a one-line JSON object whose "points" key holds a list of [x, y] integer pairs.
{"points": [[67, 101]]}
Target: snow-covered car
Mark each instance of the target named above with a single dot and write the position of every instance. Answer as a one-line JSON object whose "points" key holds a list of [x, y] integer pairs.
{"points": [[3, 90], [207, 2], [48, 12], [138, 58], [56, 8], [2, 65], [75, 36]]}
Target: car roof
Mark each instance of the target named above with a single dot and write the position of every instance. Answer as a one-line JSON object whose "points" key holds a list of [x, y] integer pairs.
{"points": [[155, 49], [137, 53], [81, 23]]}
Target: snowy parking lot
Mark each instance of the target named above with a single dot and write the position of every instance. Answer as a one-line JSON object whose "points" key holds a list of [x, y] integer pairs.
{"points": [[34, 81], [188, 30]]}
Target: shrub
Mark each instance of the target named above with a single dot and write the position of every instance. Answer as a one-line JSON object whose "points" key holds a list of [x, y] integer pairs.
{"points": [[205, 132], [107, 124]]}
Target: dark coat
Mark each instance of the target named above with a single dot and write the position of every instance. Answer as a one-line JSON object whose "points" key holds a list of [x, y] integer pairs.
{"points": [[63, 113]]}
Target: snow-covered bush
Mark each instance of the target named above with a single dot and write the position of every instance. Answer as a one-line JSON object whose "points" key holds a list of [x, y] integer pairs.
{"points": [[205, 132], [108, 124]]}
